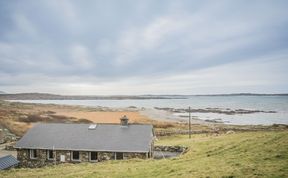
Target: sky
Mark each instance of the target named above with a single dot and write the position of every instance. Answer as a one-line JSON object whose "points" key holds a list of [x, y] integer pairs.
{"points": [[143, 47]]}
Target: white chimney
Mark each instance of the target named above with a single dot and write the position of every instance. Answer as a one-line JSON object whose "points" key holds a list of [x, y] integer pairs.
{"points": [[124, 121]]}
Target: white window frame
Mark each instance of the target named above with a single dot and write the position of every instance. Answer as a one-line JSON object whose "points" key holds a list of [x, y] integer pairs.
{"points": [[72, 156], [90, 156], [31, 154], [48, 155]]}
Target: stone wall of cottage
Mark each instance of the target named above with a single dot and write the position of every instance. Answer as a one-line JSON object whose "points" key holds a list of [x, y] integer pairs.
{"points": [[136, 155], [23, 156], [25, 161]]}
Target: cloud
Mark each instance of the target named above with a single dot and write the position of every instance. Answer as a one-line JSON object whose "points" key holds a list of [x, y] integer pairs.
{"points": [[135, 41], [24, 25], [126, 47], [80, 56]]}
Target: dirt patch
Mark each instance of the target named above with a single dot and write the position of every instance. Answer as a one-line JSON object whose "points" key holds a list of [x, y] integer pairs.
{"points": [[19, 117]]}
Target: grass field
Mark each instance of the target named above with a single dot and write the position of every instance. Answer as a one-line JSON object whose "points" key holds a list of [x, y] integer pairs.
{"points": [[249, 154]]}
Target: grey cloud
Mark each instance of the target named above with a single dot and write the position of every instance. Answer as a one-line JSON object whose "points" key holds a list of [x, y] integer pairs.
{"points": [[101, 42]]}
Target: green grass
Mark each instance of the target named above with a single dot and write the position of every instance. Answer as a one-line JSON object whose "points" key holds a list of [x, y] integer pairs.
{"points": [[250, 154]]}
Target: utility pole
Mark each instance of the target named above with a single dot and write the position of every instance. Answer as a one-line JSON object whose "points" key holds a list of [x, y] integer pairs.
{"points": [[55, 159], [189, 110]]}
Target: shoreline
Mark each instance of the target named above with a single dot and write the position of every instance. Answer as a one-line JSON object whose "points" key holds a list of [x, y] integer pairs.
{"points": [[199, 115], [18, 117]]}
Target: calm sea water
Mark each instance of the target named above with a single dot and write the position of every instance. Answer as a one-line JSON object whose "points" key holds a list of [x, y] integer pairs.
{"points": [[266, 103]]}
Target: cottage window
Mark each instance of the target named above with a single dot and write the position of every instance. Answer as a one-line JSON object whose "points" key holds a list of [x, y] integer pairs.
{"points": [[75, 155], [33, 154], [50, 155], [93, 156], [119, 155]]}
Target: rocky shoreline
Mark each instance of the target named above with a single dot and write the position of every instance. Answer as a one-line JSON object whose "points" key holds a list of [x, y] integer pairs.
{"points": [[226, 111]]}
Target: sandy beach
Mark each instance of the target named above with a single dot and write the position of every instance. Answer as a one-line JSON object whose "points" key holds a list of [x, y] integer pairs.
{"points": [[104, 117]]}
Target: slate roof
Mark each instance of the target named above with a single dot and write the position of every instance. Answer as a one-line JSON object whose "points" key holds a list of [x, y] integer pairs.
{"points": [[105, 137], [7, 162]]}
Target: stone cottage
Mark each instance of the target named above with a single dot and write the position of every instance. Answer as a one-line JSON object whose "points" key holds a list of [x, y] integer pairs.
{"points": [[47, 144]]}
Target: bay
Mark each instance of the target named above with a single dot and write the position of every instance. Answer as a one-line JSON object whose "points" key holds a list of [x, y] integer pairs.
{"points": [[263, 103]]}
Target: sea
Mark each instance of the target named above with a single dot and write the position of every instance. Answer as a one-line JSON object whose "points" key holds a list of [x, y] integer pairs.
{"points": [[263, 103]]}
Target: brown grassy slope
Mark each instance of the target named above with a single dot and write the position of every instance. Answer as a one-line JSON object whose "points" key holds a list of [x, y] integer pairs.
{"points": [[19, 117], [250, 154]]}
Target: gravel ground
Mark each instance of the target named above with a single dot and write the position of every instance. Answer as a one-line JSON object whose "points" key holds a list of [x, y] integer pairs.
{"points": [[165, 154], [4, 152]]}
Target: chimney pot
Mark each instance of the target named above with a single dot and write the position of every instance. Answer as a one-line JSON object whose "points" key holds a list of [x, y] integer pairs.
{"points": [[124, 121]]}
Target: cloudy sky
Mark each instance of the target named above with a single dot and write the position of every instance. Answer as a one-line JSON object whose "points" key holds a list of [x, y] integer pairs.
{"points": [[143, 47]]}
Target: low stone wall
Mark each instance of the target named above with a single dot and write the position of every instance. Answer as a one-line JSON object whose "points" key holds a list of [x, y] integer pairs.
{"points": [[7, 136], [10, 147], [177, 132], [166, 148]]}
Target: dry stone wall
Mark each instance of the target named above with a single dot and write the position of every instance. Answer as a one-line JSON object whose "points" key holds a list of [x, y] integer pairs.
{"points": [[179, 149]]}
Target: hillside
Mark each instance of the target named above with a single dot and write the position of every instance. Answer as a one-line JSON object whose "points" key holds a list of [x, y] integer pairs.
{"points": [[47, 96], [250, 154]]}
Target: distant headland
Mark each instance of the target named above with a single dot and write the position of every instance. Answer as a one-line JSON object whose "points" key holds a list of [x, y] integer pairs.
{"points": [[47, 96]]}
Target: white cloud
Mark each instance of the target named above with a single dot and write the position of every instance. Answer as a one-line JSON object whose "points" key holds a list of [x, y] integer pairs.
{"points": [[24, 25], [104, 47], [65, 8], [160, 29], [80, 56], [184, 47], [201, 34], [142, 39], [248, 76]]}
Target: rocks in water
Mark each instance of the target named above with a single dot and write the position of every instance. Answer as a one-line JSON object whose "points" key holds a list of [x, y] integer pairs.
{"points": [[132, 107], [214, 120], [227, 111]]}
